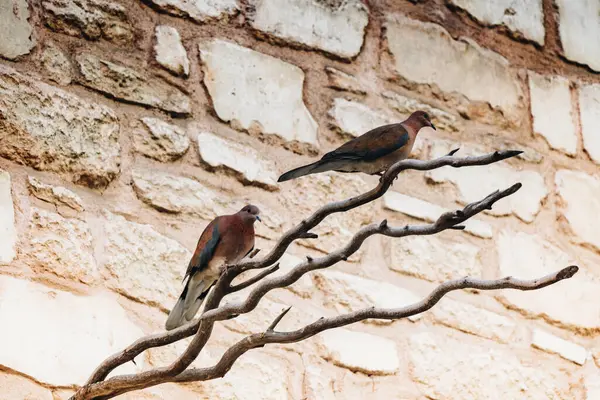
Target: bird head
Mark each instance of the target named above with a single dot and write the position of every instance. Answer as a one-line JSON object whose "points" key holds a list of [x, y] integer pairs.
{"points": [[250, 213], [421, 119]]}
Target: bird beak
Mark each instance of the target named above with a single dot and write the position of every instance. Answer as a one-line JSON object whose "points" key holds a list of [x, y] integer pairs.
{"points": [[433, 126], [258, 218]]}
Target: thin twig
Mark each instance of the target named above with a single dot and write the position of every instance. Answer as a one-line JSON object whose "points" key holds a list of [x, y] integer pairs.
{"points": [[271, 327]]}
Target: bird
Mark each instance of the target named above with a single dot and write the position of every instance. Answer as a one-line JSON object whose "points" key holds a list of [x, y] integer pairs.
{"points": [[226, 240], [372, 152]]}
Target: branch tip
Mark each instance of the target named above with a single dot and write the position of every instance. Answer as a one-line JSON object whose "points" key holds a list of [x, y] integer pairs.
{"points": [[308, 235], [567, 272], [453, 152], [504, 154]]}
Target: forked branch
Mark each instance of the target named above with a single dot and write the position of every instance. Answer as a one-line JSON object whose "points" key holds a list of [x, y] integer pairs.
{"points": [[99, 388]]}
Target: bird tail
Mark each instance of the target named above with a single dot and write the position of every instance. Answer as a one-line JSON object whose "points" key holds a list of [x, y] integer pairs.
{"points": [[188, 303], [318, 166]]}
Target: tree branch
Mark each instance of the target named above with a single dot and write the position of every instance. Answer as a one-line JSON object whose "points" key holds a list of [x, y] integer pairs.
{"points": [[202, 328], [270, 336], [445, 221], [384, 184]]}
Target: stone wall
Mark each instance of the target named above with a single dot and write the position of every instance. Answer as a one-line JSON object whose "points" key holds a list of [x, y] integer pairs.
{"points": [[126, 126]]}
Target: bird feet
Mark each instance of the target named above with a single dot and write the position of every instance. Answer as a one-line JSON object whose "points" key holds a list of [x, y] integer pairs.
{"points": [[223, 269]]}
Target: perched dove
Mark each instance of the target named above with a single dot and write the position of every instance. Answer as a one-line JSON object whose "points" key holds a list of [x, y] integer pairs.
{"points": [[372, 152], [226, 240]]}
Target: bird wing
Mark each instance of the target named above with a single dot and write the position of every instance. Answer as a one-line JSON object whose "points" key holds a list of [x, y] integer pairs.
{"points": [[205, 249], [372, 145]]}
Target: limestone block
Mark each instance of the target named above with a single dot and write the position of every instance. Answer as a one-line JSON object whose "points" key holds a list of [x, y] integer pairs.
{"points": [[141, 263], [525, 18], [16, 34], [169, 50], [334, 27], [126, 84], [49, 129], [92, 19], [257, 92], [551, 110], [96, 326]]}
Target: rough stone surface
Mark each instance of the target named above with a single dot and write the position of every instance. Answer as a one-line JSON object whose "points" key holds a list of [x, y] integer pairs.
{"points": [[92, 19], [97, 326], [57, 195], [141, 263], [592, 384], [125, 84], [18, 387], [170, 53], [336, 230], [62, 246], [199, 10], [161, 140], [527, 256], [476, 183], [317, 385], [434, 259], [359, 352], [589, 109], [8, 231], [243, 83], [406, 106], [346, 292], [342, 81], [57, 64], [16, 35], [568, 350], [355, 119], [257, 377], [577, 20], [523, 17], [338, 29], [551, 110], [176, 194], [264, 314], [49, 129], [426, 53], [429, 212], [475, 320], [446, 368], [580, 195], [248, 164]]}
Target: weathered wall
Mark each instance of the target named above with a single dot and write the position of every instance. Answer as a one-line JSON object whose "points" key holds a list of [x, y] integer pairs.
{"points": [[125, 126]]}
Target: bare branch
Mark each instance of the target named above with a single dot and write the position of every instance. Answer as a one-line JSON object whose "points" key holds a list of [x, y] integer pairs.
{"points": [[251, 281], [323, 324], [202, 329], [384, 184], [445, 221]]}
